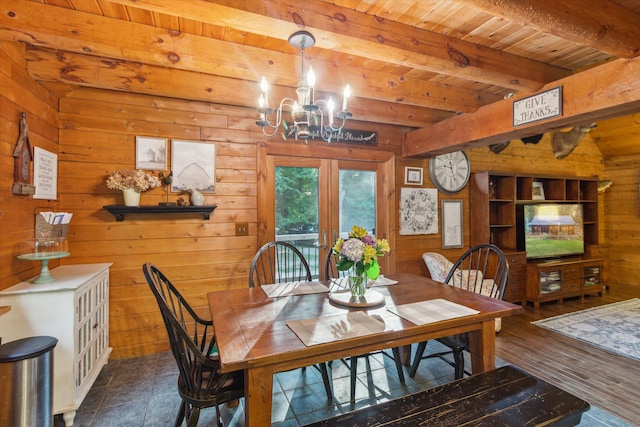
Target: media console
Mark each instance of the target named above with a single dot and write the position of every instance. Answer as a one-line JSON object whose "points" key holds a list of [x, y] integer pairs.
{"points": [[497, 198], [556, 280]]}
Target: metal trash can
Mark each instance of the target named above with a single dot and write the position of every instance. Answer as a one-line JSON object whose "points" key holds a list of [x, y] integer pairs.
{"points": [[26, 382]]}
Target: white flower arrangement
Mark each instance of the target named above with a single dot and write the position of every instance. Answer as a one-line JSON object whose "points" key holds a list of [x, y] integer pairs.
{"points": [[138, 179]]}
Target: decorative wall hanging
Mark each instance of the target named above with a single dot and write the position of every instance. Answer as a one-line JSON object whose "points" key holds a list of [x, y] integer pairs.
{"points": [[418, 211], [22, 161], [193, 165], [151, 153], [45, 176], [452, 224]]}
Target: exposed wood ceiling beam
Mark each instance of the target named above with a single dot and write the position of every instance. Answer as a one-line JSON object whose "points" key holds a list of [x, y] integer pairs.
{"points": [[600, 24], [346, 31], [133, 42], [600, 93], [92, 71]]}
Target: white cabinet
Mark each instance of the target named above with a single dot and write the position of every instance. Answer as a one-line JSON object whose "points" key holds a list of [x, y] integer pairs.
{"points": [[75, 310]]}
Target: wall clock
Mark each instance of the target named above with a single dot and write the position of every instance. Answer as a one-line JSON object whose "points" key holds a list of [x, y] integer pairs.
{"points": [[450, 172]]}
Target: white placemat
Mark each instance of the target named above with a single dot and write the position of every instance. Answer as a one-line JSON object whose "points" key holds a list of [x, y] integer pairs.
{"points": [[335, 327], [431, 311], [294, 288]]}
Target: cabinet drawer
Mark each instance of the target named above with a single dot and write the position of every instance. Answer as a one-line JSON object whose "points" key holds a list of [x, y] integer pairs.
{"points": [[571, 273], [571, 285], [517, 260]]}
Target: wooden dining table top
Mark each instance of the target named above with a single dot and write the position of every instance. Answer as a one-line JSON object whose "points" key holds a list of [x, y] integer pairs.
{"points": [[251, 328]]}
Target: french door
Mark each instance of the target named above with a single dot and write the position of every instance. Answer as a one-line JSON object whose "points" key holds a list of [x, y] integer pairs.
{"points": [[315, 201]]}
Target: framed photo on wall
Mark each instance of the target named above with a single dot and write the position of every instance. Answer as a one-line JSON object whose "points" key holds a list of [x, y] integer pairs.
{"points": [[151, 153], [412, 175], [193, 164], [452, 224]]}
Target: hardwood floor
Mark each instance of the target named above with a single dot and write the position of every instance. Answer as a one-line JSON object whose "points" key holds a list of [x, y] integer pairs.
{"points": [[597, 376]]}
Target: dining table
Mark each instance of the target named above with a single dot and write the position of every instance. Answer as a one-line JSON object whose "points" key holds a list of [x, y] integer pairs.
{"points": [[270, 330]]}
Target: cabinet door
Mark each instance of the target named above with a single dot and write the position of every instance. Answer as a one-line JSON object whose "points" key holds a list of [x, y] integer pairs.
{"points": [[591, 276], [92, 326], [550, 280]]}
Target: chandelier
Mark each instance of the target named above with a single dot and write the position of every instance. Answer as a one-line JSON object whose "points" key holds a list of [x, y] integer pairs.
{"points": [[307, 115]]}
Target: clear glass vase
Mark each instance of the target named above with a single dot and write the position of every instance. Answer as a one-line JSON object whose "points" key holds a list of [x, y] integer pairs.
{"points": [[358, 283]]}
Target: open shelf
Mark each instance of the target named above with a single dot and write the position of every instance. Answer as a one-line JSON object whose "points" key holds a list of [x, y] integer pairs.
{"points": [[119, 211]]}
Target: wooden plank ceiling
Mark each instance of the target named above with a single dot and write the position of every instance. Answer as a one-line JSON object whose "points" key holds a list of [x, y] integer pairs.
{"points": [[408, 62]]}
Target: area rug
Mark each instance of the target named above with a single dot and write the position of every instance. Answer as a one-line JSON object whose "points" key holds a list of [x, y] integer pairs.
{"points": [[613, 327]]}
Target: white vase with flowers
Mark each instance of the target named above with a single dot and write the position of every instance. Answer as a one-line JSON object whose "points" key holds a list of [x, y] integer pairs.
{"points": [[132, 183]]}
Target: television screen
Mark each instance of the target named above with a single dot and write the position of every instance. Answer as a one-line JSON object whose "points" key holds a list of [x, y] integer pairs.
{"points": [[553, 230]]}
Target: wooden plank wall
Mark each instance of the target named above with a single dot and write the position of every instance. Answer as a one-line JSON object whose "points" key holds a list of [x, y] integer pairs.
{"points": [[20, 94], [623, 218], [97, 131]]}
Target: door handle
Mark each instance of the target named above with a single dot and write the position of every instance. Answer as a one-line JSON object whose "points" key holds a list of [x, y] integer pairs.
{"points": [[324, 239]]}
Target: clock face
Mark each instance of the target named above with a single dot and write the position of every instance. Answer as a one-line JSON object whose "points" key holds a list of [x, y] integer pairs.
{"points": [[450, 172]]}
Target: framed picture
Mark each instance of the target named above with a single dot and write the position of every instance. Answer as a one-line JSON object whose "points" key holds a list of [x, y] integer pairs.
{"points": [[193, 164], [452, 224], [418, 211], [45, 174], [537, 192], [412, 175], [151, 153]]}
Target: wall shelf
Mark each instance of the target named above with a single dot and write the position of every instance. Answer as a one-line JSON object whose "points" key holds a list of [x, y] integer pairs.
{"points": [[119, 211]]}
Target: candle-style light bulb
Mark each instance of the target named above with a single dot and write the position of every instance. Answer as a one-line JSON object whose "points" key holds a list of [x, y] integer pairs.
{"points": [[311, 81], [346, 95], [330, 105], [261, 106], [311, 78], [264, 86]]}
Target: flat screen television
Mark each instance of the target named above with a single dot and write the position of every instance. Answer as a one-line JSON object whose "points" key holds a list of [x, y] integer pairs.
{"points": [[551, 230]]}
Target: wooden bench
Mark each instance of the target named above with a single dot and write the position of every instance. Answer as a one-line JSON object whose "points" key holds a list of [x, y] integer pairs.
{"points": [[506, 396]]}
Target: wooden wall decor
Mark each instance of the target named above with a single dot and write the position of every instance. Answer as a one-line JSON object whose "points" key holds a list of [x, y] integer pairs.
{"points": [[22, 159]]}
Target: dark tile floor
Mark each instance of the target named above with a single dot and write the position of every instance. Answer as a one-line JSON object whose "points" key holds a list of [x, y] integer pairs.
{"points": [[141, 392]]}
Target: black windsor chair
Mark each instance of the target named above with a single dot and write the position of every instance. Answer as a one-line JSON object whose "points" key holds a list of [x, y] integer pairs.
{"points": [[482, 269], [200, 382]]}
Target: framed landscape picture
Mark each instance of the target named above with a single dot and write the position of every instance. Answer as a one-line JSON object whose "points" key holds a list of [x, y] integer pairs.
{"points": [[193, 164], [151, 153]]}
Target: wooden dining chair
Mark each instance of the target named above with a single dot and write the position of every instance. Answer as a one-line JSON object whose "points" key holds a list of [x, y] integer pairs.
{"points": [[331, 272], [193, 344], [482, 269], [281, 262]]}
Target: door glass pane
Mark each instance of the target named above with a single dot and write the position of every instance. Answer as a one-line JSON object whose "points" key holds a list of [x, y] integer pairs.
{"points": [[357, 200], [297, 211]]}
